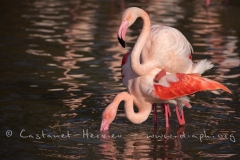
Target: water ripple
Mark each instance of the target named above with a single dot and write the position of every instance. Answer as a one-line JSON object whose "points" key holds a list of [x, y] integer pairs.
{"points": [[65, 69]]}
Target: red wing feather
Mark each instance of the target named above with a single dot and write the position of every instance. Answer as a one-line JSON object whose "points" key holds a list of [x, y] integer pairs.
{"points": [[187, 84]]}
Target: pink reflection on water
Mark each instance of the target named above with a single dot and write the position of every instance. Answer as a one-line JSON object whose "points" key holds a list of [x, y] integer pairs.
{"points": [[160, 144], [215, 36]]}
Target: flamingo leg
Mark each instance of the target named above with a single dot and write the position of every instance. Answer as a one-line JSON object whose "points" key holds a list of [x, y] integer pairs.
{"points": [[180, 116], [155, 114], [166, 116], [167, 113]]}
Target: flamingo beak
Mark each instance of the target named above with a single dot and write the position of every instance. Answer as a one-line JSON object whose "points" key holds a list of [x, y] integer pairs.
{"points": [[104, 125], [122, 32]]}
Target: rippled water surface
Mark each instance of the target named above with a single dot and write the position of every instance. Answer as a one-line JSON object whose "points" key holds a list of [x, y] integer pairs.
{"points": [[60, 67]]}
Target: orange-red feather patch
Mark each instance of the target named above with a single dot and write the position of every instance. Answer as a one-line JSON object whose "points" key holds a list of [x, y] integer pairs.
{"points": [[187, 84]]}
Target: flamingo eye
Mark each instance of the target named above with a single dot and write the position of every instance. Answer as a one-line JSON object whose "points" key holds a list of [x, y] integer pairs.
{"points": [[106, 117], [128, 17]]}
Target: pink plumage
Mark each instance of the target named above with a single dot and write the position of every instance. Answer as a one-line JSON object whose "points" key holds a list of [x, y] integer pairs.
{"points": [[159, 69]]}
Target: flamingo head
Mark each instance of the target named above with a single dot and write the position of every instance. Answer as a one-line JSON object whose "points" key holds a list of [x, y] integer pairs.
{"points": [[129, 17], [108, 116]]}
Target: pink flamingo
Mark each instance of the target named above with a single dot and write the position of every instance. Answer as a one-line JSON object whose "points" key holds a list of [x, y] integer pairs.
{"points": [[143, 91], [157, 50], [158, 47]]}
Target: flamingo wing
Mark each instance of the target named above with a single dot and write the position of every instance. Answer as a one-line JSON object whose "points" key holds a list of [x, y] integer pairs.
{"points": [[187, 84]]}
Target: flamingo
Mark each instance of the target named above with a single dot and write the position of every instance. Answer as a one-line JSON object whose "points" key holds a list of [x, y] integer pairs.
{"points": [[155, 48], [158, 70], [143, 91]]}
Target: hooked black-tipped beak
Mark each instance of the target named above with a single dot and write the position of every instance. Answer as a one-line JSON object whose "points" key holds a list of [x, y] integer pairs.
{"points": [[122, 32], [121, 41]]}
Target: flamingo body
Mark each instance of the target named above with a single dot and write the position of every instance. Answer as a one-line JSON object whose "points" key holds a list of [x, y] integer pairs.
{"points": [[158, 70], [171, 86], [167, 48]]}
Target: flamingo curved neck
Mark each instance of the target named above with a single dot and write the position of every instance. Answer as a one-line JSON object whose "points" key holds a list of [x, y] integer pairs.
{"points": [[136, 118], [138, 68]]}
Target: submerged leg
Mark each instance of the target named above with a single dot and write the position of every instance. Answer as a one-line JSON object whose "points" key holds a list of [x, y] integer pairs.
{"points": [[154, 107], [180, 116], [166, 112]]}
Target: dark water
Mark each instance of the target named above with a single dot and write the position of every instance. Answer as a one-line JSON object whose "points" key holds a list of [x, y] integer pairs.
{"points": [[60, 67]]}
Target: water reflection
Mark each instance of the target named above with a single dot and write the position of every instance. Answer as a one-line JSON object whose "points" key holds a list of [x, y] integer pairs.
{"points": [[209, 32], [66, 69], [214, 38], [158, 144]]}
